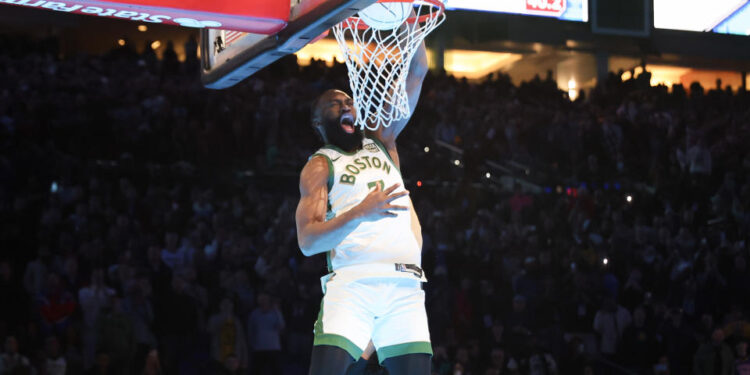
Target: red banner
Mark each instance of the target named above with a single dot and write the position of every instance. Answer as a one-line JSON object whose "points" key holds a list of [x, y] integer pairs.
{"points": [[257, 16], [546, 7]]}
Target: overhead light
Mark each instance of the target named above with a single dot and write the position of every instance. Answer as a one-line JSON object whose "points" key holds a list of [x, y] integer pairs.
{"points": [[121, 42], [488, 175], [572, 92], [142, 28], [156, 44], [426, 149], [457, 162]]}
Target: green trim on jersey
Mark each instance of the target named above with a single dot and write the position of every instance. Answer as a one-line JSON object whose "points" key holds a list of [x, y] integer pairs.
{"points": [[328, 261], [330, 172], [422, 347], [340, 151], [385, 151], [333, 339]]}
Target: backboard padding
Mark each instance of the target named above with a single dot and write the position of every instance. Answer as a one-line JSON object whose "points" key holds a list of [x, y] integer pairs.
{"points": [[226, 64]]}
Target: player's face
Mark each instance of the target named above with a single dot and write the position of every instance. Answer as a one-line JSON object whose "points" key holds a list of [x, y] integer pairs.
{"points": [[337, 118]]}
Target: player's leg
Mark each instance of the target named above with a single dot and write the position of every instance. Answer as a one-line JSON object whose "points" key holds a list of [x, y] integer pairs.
{"points": [[342, 330], [329, 360], [359, 367], [401, 335], [409, 364]]}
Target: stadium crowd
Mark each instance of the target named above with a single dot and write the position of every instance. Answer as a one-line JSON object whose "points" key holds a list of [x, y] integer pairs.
{"points": [[147, 224]]}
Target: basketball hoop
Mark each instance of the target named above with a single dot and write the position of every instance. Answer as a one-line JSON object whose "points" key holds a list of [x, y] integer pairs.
{"points": [[378, 57]]}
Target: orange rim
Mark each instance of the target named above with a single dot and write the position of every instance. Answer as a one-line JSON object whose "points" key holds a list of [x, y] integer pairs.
{"points": [[354, 20]]}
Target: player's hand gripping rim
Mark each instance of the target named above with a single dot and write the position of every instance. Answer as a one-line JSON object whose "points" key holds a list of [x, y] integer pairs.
{"points": [[377, 204]]}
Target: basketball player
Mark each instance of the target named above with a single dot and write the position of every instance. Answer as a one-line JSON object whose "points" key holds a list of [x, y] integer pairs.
{"points": [[354, 208]]}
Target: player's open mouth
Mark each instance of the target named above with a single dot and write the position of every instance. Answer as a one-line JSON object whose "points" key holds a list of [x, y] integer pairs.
{"points": [[347, 123]]}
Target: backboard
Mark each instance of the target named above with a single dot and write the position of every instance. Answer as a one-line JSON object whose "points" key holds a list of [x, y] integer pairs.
{"points": [[228, 56]]}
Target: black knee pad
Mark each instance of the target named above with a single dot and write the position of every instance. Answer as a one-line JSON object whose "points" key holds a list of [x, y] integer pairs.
{"points": [[329, 360], [409, 364]]}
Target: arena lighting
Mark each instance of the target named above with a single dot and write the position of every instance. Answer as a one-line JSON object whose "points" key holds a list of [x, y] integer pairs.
{"points": [[121, 42], [156, 44], [456, 162], [475, 64], [572, 92], [419, 183], [426, 149], [605, 261], [142, 28], [629, 198], [325, 49], [467, 64]]}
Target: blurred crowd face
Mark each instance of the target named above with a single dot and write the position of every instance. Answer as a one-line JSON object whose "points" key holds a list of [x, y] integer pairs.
{"points": [[639, 317], [11, 345], [717, 336], [497, 356], [519, 304], [741, 349], [227, 307], [6, 272], [662, 366], [264, 301], [171, 240]]}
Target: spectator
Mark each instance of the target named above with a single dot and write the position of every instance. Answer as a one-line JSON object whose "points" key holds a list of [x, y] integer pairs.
{"points": [[11, 361], [116, 337], [265, 324], [227, 336], [173, 255], [152, 366], [610, 323], [639, 342], [56, 305], [714, 357], [54, 362], [741, 358], [93, 299]]}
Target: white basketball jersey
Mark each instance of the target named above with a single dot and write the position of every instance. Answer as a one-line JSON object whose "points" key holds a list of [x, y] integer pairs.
{"points": [[351, 176]]}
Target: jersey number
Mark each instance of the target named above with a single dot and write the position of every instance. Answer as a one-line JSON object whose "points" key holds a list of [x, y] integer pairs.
{"points": [[371, 185]]}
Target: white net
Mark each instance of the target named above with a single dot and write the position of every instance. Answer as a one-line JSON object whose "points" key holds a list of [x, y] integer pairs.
{"points": [[378, 63]]}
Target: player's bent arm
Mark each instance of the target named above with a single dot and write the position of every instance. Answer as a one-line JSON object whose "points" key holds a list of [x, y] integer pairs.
{"points": [[315, 235]]}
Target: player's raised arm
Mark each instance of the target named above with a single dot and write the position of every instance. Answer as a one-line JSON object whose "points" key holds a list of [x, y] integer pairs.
{"points": [[417, 71], [315, 235]]}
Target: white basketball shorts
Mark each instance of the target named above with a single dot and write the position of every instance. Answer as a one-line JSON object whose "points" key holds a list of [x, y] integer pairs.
{"points": [[389, 311]]}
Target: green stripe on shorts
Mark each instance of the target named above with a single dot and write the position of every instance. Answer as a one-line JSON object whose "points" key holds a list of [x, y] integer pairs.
{"points": [[416, 347], [332, 339]]}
